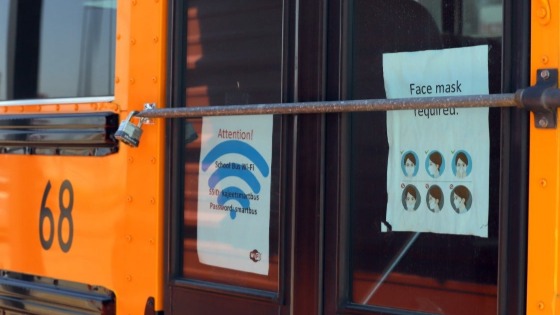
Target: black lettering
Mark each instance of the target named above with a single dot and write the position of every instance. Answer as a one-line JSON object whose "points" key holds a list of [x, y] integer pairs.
{"points": [[419, 112], [449, 88], [420, 89], [65, 215], [429, 112], [47, 214]]}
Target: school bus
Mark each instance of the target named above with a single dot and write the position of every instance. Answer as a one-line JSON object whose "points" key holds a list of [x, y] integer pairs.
{"points": [[279, 157]]}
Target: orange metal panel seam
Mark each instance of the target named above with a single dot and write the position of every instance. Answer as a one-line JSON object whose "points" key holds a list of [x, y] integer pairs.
{"points": [[544, 156], [143, 268], [122, 52], [153, 149], [137, 271]]}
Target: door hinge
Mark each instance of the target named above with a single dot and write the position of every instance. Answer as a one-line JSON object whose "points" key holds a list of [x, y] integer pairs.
{"points": [[543, 99]]}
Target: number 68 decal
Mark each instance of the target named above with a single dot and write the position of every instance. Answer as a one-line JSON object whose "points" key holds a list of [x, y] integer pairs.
{"points": [[65, 215]]}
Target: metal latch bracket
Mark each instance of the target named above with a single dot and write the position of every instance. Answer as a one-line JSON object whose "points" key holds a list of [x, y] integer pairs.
{"points": [[542, 99]]}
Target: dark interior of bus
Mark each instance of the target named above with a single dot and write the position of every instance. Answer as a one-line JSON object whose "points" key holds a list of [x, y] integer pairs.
{"points": [[466, 265]]}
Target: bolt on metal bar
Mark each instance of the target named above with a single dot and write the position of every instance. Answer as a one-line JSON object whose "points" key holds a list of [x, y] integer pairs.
{"points": [[492, 100]]}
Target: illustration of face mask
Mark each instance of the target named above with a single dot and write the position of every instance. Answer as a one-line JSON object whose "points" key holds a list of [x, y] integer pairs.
{"points": [[461, 168], [409, 168], [410, 201]]}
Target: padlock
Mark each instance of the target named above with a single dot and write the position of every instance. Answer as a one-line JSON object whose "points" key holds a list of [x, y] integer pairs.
{"points": [[128, 132]]}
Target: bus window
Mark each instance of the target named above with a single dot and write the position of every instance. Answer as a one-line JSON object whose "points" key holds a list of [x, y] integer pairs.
{"points": [[479, 18], [234, 56], [4, 14], [56, 49], [419, 271]]}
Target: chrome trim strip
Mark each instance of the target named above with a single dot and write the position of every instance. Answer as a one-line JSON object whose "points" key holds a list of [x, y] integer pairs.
{"points": [[54, 101], [31, 294], [77, 134]]}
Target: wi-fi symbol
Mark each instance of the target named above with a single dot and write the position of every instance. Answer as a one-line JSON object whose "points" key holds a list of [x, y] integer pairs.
{"points": [[242, 171]]}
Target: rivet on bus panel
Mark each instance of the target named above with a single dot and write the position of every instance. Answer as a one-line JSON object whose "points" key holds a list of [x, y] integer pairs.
{"points": [[543, 122], [154, 79], [134, 2], [153, 200], [542, 13], [132, 80], [117, 80], [133, 41], [156, 39], [544, 59], [128, 278], [130, 159], [153, 160], [129, 198], [541, 305], [129, 238], [543, 182]]}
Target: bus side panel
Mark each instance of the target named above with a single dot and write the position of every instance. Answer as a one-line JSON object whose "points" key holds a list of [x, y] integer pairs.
{"points": [[543, 246], [59, 215], [98, 220]]}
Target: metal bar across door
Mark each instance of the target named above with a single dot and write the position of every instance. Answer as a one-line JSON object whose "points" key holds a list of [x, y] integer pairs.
{"points": [[419, 103]]}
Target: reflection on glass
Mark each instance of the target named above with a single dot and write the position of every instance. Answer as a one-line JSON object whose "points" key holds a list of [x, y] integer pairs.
{"points": [[56, 48], [234, 56], [432, 273]]}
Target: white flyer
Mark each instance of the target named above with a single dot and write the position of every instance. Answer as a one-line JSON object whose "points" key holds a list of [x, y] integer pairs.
{"points": [[233, 216], [438, 167]]}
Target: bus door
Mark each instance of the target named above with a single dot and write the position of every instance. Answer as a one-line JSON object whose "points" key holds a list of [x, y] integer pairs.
{"points": [[426, 209], [419, 211]]}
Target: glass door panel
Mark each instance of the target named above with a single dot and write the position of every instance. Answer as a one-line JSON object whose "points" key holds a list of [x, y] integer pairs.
{"points": [[234, 56], [410, 269]]}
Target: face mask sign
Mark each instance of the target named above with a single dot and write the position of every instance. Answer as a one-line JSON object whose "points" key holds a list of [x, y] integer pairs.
{"points": [[438, 153]]}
